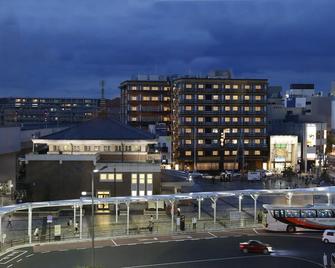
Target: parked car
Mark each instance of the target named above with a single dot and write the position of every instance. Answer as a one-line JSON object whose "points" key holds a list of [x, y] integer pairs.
{"points": [[255, 246], [328, 236], [207, 176], [194, 174]]}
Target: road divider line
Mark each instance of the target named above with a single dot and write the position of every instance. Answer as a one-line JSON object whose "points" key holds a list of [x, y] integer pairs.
{"points": [[254, 229], [114, 243], [212, 234], [29, 255]]}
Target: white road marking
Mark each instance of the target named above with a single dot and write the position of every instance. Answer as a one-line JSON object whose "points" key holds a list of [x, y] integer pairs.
{"points": [[254, 229], [9, 259], [181, 236], [80, 248], [148, 239], [164, 241], [19, 260], [29, 255], [44, 252], [9, 265], [114, 243], [212, 235], [220, 259]]}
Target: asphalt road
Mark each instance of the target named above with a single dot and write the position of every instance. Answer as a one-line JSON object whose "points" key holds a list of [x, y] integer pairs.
{"points": [[305, 251]]}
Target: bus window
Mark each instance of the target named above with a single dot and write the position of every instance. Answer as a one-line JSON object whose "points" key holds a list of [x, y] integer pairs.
{"points": [[276, 213], [292, 213], [325, 213], [308, 213]]}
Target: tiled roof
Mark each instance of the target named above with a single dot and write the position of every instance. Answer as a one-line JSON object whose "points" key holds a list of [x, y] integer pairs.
{"points": [[101, 129]]}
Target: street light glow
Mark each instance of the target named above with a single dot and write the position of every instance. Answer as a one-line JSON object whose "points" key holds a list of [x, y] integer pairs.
{"points": [[84, 193]]}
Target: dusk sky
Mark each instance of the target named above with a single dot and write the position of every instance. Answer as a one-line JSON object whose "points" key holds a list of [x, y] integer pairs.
{"points": [[63, 48]]}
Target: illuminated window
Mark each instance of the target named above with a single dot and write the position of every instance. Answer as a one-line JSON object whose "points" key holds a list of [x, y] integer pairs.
{"points": [[96, 148], [201, 130], [188, 119], [188, 97], [234, 152], [146, 88], [235, 97], [215, 108], [166, 119], [134, 119], [226, 152], [227, 86], [235, 86], [200, 86], [200, 141], [257, 130], [258, 108], [154, 88], [257, 152], [258, 119], [200, 97], [133, 108], [133, 98], [149, 192], [215, 97], [141, 192], [166, 98], [235, 108], [258, 87], [246, 141], [166, 88], [234, 141], [215, 130], [257, 141], [246, 130], [247, 108], [188, 153], [188, 85], [246, 152], [227, 119], [142, 178], [200, 119], [200, 108], [247, 119], [215, 86], [188, 108], [188, 130], [133, 193], [149, 178], [235, 119], [155, 98], [215, 119], [227, 108], [188, 142], [247, 97], [234, 130], [215, 153], [258, 98], [247, 86], [227, 97], [146, 98], [166, 109], [200, 153]]}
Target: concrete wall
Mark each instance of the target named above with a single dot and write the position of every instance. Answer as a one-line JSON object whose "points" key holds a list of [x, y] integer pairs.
{"points": [[8, 167], [9, 140]]}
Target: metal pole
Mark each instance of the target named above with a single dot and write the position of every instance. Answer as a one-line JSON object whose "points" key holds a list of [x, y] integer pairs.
{"points": [[114, 181], [214, 209], [199, 208], [116, 212], [329, 199], [172, 214], [92, 219], [81, 222], [127, 217], [240, 197], [74, 215], [157, 210], [255, 207], [29, 223], [1, 228]]}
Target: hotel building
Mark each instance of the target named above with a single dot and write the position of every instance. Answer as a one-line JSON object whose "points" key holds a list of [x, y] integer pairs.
{"points": [[219, 123]]}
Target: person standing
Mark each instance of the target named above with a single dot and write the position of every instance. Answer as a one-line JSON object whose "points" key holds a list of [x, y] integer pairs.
{"points": [[151, 223], [178, 223], [194, 223], [9, 223]]}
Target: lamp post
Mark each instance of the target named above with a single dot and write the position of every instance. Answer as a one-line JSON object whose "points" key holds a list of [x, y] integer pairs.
{"points": [[92, 211]]}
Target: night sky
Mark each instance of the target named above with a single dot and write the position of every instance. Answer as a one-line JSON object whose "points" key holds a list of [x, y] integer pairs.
{"points": [[63, 48]]}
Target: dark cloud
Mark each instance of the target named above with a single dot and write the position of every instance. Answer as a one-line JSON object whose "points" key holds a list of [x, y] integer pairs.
{"points": [[62, 48]]}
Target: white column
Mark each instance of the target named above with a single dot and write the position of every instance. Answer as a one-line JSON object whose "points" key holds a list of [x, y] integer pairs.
{"points": [[214, 199], [80, 222], [157, 210], [128, 204], [1, 228], [116, 212], [74, 215], [289, 198], [30, 212], [255, 196], [240, 197], [329, 196], [172, 214], [199, 208]]}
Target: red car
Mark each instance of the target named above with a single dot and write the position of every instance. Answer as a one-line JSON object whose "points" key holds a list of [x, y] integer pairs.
{"points": [[255, 246]]}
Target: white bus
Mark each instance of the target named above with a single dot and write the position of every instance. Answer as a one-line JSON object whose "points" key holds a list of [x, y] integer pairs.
{"points": [[292, 219]]}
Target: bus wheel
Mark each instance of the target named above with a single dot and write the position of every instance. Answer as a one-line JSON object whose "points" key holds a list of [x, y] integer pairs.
{"points": [[290, 229], [326, 241]]}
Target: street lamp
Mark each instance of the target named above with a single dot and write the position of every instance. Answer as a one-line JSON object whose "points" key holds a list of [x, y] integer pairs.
{"points": [[92, 212]]}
